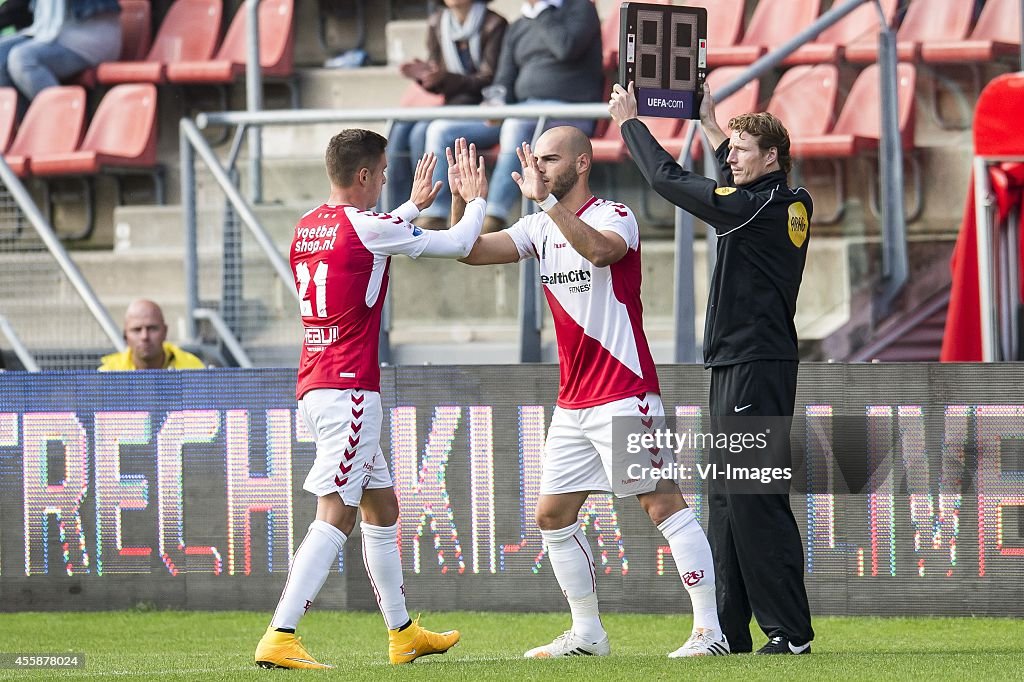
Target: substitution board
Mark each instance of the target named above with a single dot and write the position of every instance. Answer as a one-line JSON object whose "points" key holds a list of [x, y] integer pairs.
{"points": [[663, 51]]}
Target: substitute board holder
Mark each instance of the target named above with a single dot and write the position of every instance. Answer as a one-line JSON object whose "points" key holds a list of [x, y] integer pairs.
{"points": [[663, 51]]}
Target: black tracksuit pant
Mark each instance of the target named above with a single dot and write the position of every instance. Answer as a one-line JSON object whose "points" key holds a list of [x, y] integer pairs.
{"points": [[756, 544]]}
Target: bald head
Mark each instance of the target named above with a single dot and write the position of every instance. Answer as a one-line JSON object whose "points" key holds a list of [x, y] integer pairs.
{"points": [[145, 333], [567, 141]]}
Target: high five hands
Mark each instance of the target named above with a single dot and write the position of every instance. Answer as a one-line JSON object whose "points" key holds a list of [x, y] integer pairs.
{"points": [[424, 191], [467, 175], [530, 181]]}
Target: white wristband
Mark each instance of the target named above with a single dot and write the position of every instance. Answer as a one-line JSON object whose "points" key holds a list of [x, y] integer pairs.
{"points": [[549, 203]]}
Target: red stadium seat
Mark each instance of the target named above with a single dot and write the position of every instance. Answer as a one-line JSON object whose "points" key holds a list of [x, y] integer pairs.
{"points": [[189, 32], [725, 22], [742, 102], [136, 29], [276, 48], [121, 140], [859, 129], [611, 148], [773, 23], [52, 125], [859, 26], [996, 35], [926, 21], [805, 99], [8, 116], [122, 134], [136, 37]]}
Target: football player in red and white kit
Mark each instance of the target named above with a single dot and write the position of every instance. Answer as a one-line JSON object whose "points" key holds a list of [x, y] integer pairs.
{"points": [[340, 256], [589, 253]]}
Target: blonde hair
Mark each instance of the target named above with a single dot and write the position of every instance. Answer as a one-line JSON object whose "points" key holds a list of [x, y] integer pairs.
{"points": [[769, 132]]}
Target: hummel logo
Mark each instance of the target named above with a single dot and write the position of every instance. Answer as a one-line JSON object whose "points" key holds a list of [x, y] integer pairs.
{"points": [[740, 409]]}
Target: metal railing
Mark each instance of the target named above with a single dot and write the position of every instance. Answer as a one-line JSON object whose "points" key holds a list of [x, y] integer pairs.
{"points": [[23, 354], [998, 267], [48, 304]]}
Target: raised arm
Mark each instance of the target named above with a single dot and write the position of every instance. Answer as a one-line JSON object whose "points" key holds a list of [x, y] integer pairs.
{"points": [[724, 208], [600, 247], [716, 136]]}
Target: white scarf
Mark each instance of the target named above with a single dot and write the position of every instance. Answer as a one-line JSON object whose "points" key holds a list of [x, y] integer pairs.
{"points": [[453, 32]]}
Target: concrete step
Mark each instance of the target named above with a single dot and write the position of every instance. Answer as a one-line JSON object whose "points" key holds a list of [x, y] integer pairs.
{"points": [[429, 291], [161, 227], [370, 87], [406, 40]]}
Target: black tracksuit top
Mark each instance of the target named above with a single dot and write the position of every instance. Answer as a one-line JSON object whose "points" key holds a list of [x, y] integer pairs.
{"points": [[763, 231]]}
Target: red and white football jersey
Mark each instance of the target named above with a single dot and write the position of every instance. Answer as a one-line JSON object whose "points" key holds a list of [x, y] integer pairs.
{"points": [[603, 354], [340, 257]]}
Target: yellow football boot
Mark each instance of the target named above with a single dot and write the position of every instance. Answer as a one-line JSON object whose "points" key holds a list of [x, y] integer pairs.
{"points": [[407, 645], [285, 650]]}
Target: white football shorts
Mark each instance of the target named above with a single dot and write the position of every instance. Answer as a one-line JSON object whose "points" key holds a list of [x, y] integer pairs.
{"points": [[578, 450], [346, 427]]}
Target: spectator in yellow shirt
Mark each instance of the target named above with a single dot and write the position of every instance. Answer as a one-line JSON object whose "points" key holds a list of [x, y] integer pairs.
{"points": [[145, 333]]}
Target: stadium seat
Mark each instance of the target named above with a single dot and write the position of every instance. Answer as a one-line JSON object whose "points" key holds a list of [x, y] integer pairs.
{"points": [[189, 32], [121, 140], [805, 99], [996, 35], [742, 102], [8, 116], [859, 26], [773, 23], [725, 21], [276, 48], [136, 37], [725, 24], [859, 130], [925, 21], [611, 148], [52, 125]]}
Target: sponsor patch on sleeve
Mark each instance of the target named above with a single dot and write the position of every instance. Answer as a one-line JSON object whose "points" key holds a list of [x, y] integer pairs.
{"points": [[725, 191]]}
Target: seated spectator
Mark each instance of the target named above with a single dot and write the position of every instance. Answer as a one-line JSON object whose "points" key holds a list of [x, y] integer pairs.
{"points": [[15, 14], [65, 38], [145, 333], [551, 55], [463, 42]]}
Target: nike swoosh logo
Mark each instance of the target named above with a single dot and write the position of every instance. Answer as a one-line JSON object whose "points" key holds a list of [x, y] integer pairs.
{"points": [[410, 652], [302, 660], [740, 409]]}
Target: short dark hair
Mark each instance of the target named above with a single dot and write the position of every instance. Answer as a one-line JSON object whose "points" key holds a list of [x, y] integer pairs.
{"points": [[769, 132], [350, 151]]}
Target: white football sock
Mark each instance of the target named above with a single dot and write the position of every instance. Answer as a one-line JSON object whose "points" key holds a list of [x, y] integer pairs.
{"points": [[692, 554], [311, 564], [573, 565], [384, 566]]}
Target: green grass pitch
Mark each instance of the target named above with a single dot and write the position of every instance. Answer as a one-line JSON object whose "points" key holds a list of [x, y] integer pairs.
{"points": [[173, 645]]}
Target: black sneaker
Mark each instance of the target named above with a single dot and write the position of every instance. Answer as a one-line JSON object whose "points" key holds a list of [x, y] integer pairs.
{"points": [[780, 645]]}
